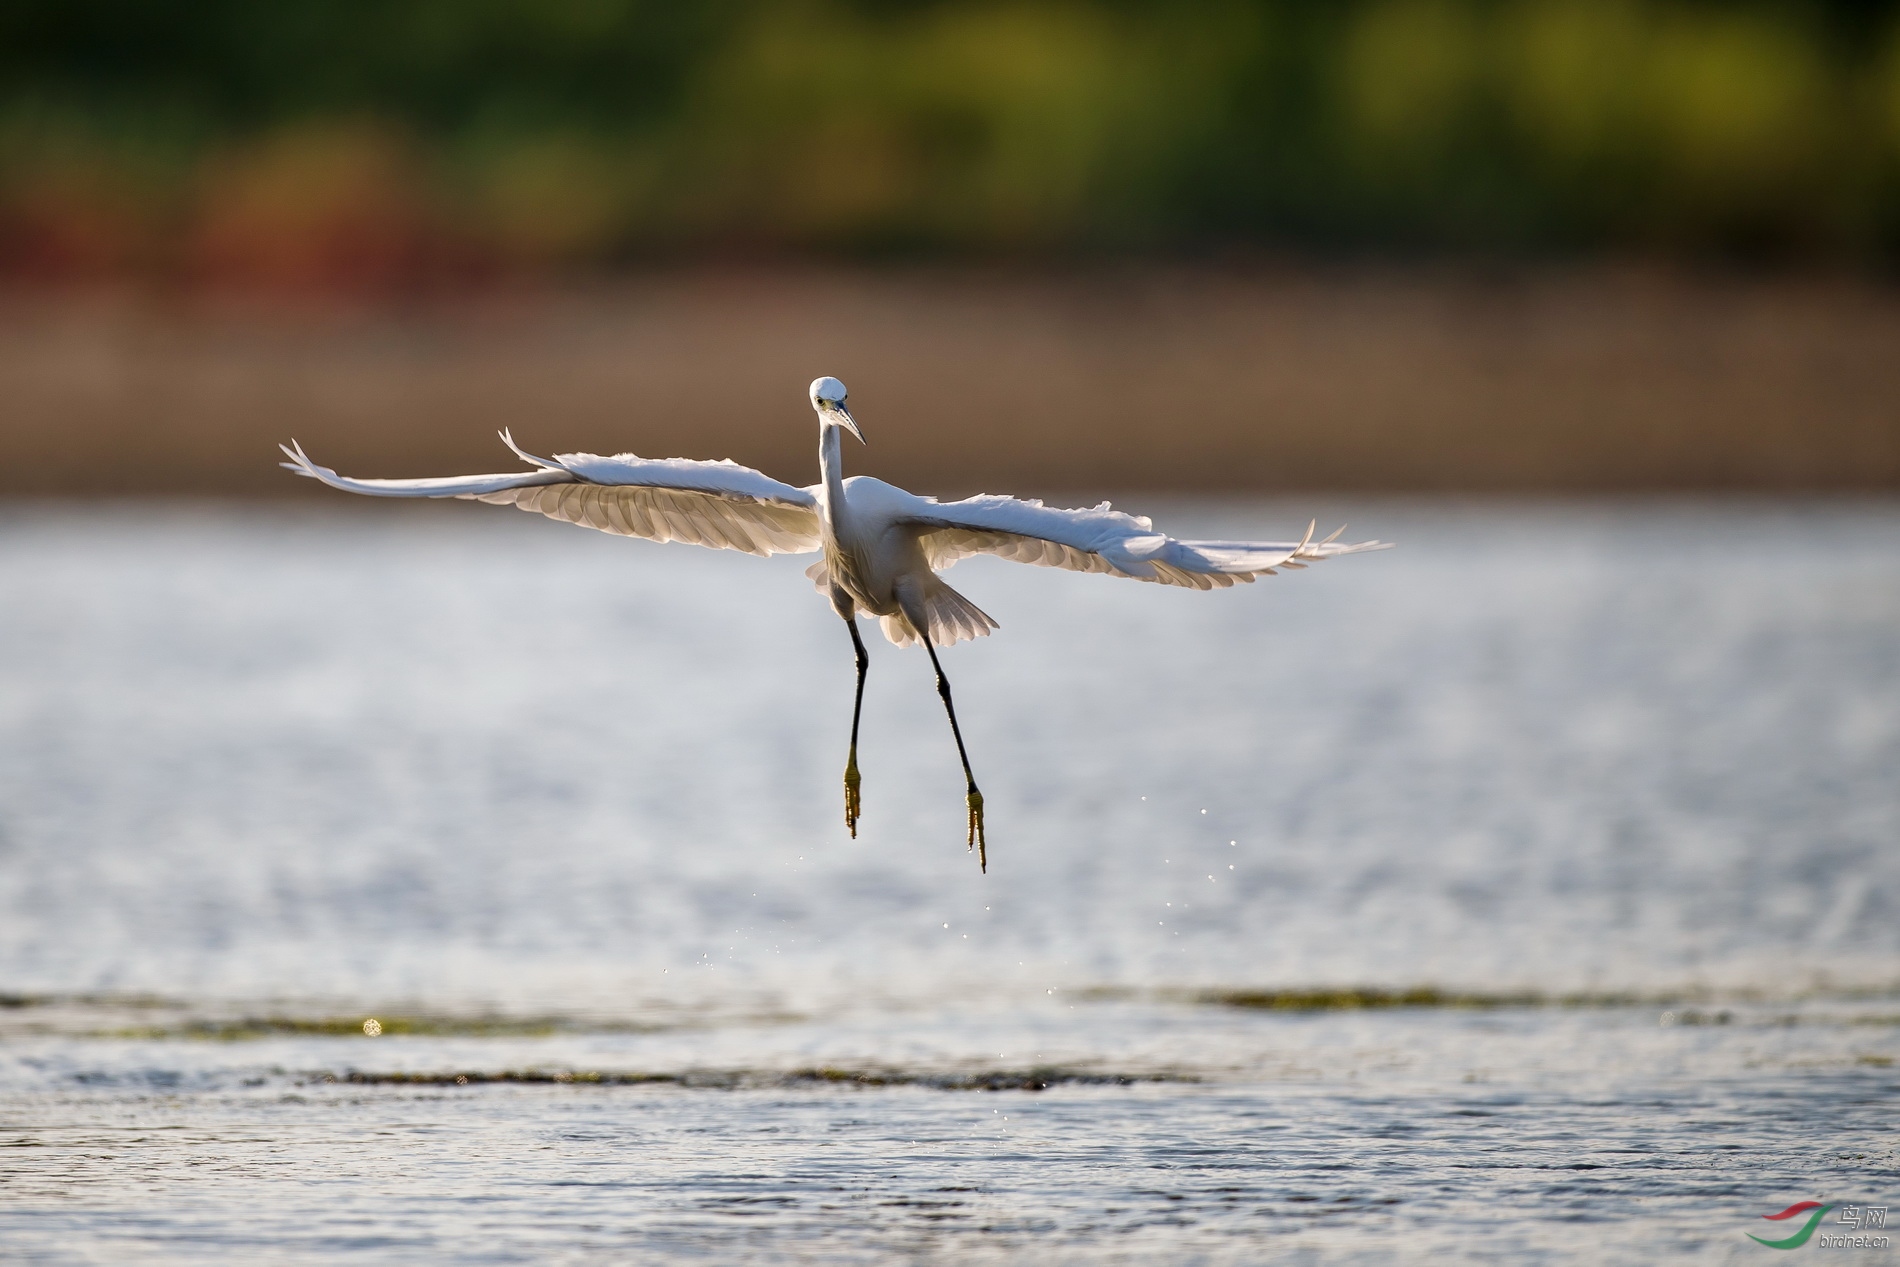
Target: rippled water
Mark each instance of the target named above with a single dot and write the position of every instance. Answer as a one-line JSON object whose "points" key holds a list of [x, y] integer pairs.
{"points": [[1528, 892]]}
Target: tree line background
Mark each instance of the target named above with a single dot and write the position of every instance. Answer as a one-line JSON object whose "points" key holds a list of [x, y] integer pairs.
{"points": [[404, 142]]}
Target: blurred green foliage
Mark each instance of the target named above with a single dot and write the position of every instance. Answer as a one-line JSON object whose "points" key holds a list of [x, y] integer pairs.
{"points": [[318, 141]]}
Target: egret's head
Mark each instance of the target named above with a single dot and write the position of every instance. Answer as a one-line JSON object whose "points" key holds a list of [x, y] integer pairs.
{"points": [[827, 397]]}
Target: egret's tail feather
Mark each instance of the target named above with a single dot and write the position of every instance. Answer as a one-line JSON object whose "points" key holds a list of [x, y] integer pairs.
{"points": [[953, 619], [898, 630]]}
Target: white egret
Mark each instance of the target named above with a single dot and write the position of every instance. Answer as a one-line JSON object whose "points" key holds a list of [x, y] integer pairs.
{"points": [[881, 547]]}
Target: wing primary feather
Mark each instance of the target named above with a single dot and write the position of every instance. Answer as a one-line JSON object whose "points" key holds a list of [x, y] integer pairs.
{"points": [[616, 508], [546, 464], [444, 486]]}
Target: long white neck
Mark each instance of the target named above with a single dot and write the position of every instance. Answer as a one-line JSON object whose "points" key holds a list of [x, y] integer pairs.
{"points": [[831, 466]]}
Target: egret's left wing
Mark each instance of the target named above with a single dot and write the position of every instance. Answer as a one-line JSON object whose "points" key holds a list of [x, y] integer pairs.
{"points": [[718, 504], [1102, 539]]}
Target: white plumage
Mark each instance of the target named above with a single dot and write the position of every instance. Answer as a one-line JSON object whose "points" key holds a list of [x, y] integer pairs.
{"points": [[881, 546]]}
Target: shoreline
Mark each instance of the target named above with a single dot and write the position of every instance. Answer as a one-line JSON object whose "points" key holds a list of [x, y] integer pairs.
{"points": [[1151, 378]]}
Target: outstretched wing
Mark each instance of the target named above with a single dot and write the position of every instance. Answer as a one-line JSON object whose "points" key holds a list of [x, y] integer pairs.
{"points": [[718, 504], [1105, 540]]}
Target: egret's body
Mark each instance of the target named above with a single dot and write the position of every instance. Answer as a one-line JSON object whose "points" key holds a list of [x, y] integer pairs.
{"points": [[881, 547]]}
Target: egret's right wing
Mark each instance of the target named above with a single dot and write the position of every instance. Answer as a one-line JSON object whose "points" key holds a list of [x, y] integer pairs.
{"points": [[718, 504], [1102, 539]]}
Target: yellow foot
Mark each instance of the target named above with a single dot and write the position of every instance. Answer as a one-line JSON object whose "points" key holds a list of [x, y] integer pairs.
{"points": [[976, 841], [853, 806]]}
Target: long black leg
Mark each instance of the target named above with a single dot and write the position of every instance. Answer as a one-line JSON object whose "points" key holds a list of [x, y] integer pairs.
{"points": [[974, 797], [853, 806]]}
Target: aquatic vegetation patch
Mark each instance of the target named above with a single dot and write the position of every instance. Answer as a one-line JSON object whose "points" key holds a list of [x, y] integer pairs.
{"points": [[252, 1027], [11, 1000], [1679, 1008], [1036, 1078], [242, 1029], [1352, 999]]}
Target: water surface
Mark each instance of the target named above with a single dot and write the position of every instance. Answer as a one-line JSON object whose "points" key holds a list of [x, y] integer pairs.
{"points": [[1528, 892]]}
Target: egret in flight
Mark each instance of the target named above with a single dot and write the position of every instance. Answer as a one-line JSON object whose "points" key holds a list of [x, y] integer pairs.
{"points": [[880, 547]]}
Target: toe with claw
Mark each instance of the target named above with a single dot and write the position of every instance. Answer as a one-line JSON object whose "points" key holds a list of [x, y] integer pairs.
{"points": [[976, 840], [853, 806]]}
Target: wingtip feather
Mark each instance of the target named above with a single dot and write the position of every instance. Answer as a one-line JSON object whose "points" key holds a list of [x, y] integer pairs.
{"points": [[300, 462], [507, 438]]}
